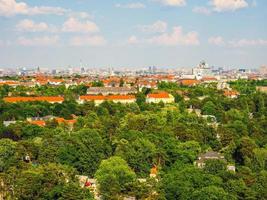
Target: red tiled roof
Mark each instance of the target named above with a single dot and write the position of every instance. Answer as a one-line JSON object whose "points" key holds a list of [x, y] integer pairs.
{"points": [[209, 78], [38, 123], [27, 99], [230, 93], [9, 83], [161, 95], [189, 82], [62, 120], [56, 80], [111, 97]]}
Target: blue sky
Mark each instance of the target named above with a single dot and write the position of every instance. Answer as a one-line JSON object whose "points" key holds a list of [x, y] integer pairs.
{"points": [[132, 33]]}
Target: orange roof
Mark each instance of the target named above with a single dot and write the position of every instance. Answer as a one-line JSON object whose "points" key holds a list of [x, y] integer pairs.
{"points": [[9, 83], [230, 93], [27, 99], [38, 123], [209, 78], [62, 120], [111, 97], [154, 170], [161, 95], [56, 80], [189, 82]]}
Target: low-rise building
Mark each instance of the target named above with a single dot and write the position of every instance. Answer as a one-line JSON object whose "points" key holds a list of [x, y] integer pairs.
{"points": [[189, 82], [40, 123], [262, 89], [211, 155], [231, 93], [51, 99], [98, 99], [159, 97], [111, 90]]}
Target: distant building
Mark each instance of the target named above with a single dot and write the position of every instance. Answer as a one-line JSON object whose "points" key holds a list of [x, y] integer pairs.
{"points": [[212, 155], [111, 90], [7, 123], [202, 70], [40, 123], [10, 83], [159, 97], [98, 99], [231, 94], [262, 89], [52, 99], [209, 79], [189, 82], [223, 85]]}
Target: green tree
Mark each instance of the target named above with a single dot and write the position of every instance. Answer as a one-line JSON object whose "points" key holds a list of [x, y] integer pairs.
{"points": [[215, 166], [115, 178], [7, 154], [139, 154], [211, 193]]}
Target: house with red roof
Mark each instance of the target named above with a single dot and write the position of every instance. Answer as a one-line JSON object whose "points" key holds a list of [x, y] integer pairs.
{"points": [[51, 99], [40, 123], [10, 83], [189, 82], [159, 97], [231, 93]]}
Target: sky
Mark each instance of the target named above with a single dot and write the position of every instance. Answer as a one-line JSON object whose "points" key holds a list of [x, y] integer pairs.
{"points": [[133, 33]]}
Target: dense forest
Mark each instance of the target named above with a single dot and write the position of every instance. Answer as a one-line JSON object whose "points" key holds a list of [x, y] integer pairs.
{"points": [[119, 145]]}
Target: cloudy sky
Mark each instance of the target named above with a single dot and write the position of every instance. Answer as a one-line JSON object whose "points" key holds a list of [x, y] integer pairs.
{"points": [[119, 33]]}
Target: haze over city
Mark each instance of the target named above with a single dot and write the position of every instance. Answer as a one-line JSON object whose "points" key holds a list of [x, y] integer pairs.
{"points": [[133, 33]]}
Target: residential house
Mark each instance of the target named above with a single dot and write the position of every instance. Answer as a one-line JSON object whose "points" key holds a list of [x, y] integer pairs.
{"points": [[262, 89], [7, 123], [98, 99], [51, 99], [231, 93], [111, 90], [10, 83], [212, 155], [189, 82], [68, 122], [209, 79], [40, 123], [159, 97]]}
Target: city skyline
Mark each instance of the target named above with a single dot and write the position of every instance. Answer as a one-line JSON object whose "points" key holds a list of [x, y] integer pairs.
{"points": [[226, 33]]}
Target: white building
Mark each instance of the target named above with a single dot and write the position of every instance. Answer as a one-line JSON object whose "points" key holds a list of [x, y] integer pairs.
{"points": [[160, 97], [98, 99], [202, 70]]}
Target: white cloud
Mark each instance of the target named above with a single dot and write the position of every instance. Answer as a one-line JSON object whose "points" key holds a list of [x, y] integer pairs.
{"points": [[27, 25], [218, 41], [11, 8], [74, 25], [80, 15], [133, 40], [228, 5], [38, 41], [176, 37], [157, 27], [247, 42], [202, 10], [172, 2], [95, 40], [136, 5], [254, 3]]}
